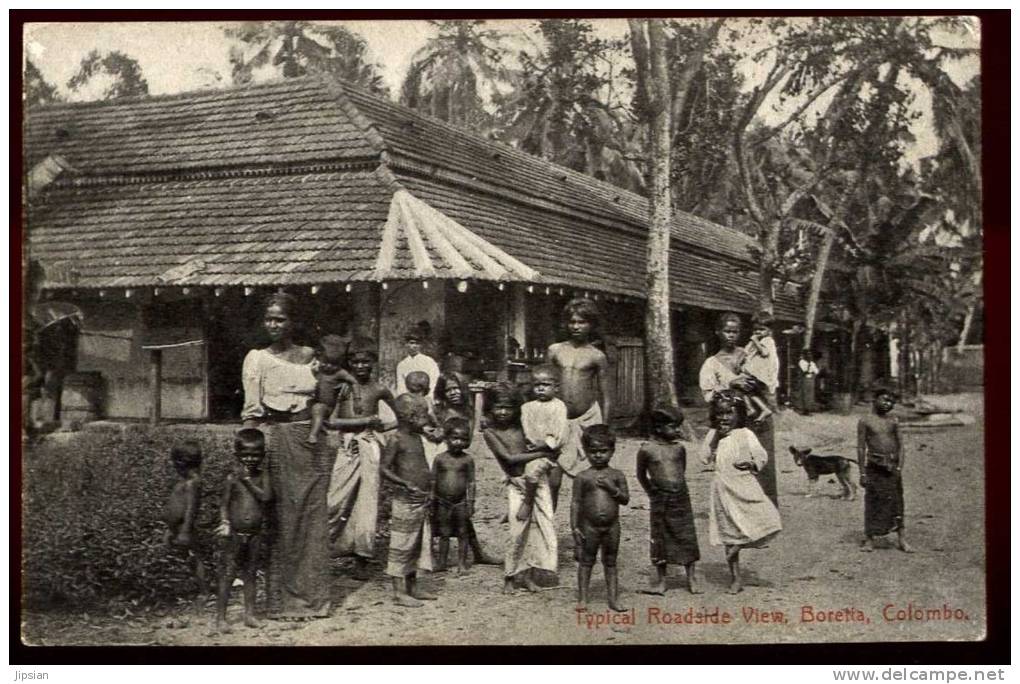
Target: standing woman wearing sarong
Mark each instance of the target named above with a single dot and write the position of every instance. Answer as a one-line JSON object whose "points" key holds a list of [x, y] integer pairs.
{"points": [[278, 387], [722, 372]]}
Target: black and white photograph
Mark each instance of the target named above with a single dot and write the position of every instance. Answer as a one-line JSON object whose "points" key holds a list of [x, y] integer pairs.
{"points": [[502, 332]]}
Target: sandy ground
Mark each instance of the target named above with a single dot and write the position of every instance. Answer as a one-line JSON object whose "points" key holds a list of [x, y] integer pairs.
{"points": [[814, 569]]}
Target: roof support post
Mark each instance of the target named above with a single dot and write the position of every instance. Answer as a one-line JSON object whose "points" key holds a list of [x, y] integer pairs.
{"points": [[156, 385]]}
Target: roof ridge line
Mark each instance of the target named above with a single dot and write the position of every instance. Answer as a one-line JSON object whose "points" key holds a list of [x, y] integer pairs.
{"points": [[213, 173], [366, 126], [514, 195]]}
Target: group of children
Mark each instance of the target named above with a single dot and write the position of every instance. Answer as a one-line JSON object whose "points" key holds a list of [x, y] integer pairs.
{"points": [[561, 431]]}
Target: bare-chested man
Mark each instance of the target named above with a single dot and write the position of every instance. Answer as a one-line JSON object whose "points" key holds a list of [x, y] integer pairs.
{"points": [[583, 370], [880, 458]]}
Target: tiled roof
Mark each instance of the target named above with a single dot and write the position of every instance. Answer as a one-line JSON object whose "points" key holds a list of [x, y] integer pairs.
{"points": [[267, 230], [597, 258], [278, 183], [285, 122]]}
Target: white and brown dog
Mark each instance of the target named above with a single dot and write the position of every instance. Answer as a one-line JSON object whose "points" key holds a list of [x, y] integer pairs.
{"points": [[816, 466]]}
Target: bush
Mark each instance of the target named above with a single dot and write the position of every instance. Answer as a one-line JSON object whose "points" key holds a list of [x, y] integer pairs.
{"points": [[92, 515]]}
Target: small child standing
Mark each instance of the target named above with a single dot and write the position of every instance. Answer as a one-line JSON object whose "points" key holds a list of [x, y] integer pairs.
{"points": [[329, 375], [761, 364], [404, 465], [181, 511], [416, 360], [546, 428], [739, 514], [660, 470], [881, 457], [241, 513], [454, 493], [598, 493]]}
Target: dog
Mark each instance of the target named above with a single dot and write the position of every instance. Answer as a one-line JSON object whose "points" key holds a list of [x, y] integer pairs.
{"points": [[816, 466]]}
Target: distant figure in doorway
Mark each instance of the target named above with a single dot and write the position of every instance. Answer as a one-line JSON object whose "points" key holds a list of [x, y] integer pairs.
{"points": [[416, 359], [808, 375]]}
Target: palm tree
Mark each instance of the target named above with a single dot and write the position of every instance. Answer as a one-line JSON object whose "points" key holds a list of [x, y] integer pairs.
{"points": [[124, 72], [562, 108], [298, 48], [456, 73]]}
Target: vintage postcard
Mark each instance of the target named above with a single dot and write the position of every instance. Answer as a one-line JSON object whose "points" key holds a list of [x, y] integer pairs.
{"points": [[503, 332]]}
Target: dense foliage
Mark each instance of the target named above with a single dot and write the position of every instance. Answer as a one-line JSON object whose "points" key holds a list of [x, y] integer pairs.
{"points": [[92, 528]]}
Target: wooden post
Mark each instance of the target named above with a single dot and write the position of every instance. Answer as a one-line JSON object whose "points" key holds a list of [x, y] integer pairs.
{"points": [[156, 384]]}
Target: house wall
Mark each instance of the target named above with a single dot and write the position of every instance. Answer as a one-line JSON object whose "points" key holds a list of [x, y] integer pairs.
{"points": [[110, 344], [401, 305]]}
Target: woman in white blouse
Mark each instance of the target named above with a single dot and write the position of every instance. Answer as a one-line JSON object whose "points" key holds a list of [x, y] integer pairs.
{"points": [[722, 372], [279, 386]]}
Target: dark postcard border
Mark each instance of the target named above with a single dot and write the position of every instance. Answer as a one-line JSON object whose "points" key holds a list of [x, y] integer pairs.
{"points": [[995, 71]]}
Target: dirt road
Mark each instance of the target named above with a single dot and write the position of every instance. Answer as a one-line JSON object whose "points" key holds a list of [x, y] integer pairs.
{"points": [[811, 584]]}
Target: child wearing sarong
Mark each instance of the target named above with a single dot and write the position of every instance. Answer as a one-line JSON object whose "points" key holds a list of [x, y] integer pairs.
{"points": [[660, 471], [404, 465], [740, 514], [532, 542], [881, 457], [353, 495]]}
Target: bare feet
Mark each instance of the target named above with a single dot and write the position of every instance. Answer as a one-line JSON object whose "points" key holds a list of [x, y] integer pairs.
{"points": [[312, 439], [407, 601], [424, 595], [529, 584], [524, 513], [618, 607], [222, 627], [508, 587], [459, 570], [736, 586], [868, 545], [693, 586], [904, 546], [250, 621]]}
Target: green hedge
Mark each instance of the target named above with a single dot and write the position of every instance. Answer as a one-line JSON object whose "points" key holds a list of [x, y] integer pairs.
{"points": [[92, 509]]}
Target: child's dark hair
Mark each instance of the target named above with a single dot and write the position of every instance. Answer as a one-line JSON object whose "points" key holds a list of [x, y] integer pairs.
{"points": [[332, 348], [457, 423], [879, 389], [409, 405], [598, 434], [417, 379], [250, 439], [664, 415], [363, 346], [504, 393], [583, 308], [725, 399], [442, 384], [546, 369], [187, 454], [763, 319]]}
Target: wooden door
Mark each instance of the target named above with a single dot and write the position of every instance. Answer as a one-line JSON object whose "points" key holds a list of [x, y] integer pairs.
{"points": [[627, 378]]}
